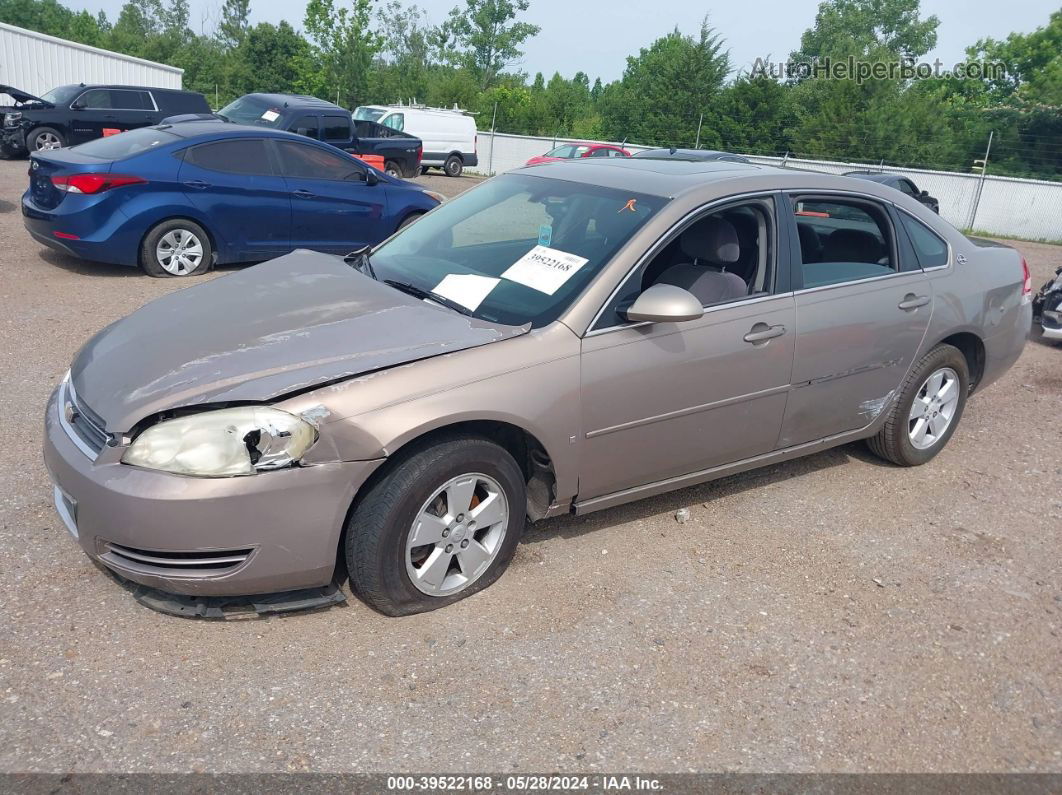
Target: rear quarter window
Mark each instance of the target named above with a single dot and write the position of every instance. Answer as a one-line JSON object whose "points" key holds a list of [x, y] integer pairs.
{"points": [[180, 102], [930, 248]]}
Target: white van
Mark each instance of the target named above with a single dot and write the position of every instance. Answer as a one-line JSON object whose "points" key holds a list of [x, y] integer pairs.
{"points": [[449, 136]]}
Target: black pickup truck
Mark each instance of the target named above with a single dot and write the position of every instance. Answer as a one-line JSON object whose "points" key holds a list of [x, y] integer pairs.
{"points": [[73, 114], [400, 153]]}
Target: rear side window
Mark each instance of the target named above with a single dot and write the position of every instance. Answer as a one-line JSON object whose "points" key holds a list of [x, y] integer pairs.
{"points": [[931, 250], [843, 241], [242, 156], [306, 125], [127, 144], [396, 121], [313, 162], [336, 128]]}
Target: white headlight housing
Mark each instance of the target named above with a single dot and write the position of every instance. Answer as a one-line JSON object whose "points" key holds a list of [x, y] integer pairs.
{"points": [[223, 443]]}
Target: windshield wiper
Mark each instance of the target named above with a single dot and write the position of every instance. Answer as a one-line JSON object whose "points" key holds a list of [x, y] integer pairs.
{"points": [[223, 117], [359, 260], [419, 292]]}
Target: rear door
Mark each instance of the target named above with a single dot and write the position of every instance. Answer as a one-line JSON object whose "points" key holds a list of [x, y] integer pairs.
{"points": [[863, 306], [247, 205], [333, 209], [99, 112]]}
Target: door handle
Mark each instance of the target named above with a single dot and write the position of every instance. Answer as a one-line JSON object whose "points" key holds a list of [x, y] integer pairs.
{"points": [[761, 332], [198, 184], [303, 194], [912, 301]]}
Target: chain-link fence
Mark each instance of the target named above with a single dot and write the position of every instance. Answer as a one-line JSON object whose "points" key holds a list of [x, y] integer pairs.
{"points": [[1004, 206]]}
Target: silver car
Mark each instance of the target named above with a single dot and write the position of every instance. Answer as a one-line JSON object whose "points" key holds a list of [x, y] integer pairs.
{"points": [[556, 340]]}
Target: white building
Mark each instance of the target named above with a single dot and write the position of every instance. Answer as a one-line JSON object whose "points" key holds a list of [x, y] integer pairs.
{"points": [[35, 63]]}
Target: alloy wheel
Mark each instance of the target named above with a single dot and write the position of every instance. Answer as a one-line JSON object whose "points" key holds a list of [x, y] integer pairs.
{"points": [[933, 408], [179, 252], [46, 141], [457, 534]]}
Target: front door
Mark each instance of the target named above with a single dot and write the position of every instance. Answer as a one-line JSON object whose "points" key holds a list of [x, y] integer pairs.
{"points": [[333, 208], [246, 205], [108, 111], [863, 308], [667, 399]]}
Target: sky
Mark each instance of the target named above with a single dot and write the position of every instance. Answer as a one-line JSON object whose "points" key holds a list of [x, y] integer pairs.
{"points": [[596, 36]]}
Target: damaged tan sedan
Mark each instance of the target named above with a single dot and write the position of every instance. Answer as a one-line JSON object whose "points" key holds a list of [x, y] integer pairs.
{"points": [[560, 339]]}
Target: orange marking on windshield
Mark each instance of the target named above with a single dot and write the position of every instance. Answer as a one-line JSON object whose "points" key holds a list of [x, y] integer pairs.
{"points": [[629, 206]]}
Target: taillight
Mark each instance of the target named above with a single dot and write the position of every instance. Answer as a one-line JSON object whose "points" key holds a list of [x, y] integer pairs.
{"points": [[420, 153], [94, 183], [1026, 285]]}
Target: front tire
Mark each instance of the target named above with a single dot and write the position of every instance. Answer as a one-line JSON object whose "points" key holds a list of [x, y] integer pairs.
{"points": [[443, 523], [930, 404], [177, 247], [44, 139], [453, 166]]}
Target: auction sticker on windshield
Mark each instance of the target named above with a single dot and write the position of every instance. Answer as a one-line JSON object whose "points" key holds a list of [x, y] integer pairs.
{"points": [[270, 115], [544, 269], [468, 290]]}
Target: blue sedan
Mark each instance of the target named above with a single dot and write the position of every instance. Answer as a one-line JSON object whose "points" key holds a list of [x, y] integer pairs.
{"points": [[176, 199]]}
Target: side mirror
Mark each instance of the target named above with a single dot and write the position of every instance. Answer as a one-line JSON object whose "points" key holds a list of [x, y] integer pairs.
{"points": [[924, 194], [371, 178], [79, 105], [665, 303]]}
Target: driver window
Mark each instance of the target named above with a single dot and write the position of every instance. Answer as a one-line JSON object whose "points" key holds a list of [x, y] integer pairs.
{"points": [[723, 256]]}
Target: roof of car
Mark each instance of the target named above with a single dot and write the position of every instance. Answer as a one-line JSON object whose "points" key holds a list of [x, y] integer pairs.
{"points": [[191, 129], [668, 178], [128, 88], [874, 176], [298, 101]]}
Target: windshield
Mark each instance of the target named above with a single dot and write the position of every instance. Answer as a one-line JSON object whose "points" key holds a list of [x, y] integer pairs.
{"points": [[62, 94], [518, 249], [368, 114], [251, 110], [127, 144]]}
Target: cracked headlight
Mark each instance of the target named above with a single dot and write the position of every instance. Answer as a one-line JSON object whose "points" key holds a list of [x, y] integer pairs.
{"points": [[12, 118], [223, 443]]}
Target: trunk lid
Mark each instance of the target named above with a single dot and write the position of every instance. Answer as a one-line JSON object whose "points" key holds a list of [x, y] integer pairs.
{"points": [[45, 165], [273, 329]]}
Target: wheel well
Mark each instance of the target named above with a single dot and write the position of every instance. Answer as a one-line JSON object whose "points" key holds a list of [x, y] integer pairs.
{"points": [[973, 349], [528, 452], [204, 227], [456, 154]]}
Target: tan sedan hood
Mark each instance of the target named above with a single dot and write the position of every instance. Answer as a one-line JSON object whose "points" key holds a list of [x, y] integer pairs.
{"points": [[295, 322]]}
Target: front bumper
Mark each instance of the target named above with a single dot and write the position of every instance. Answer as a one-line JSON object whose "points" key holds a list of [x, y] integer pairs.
{"points": [[13, 140], [264, 533]]}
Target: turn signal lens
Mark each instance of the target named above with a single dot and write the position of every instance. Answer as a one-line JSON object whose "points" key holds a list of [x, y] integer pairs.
{"points": [[94, 183], [1026, 287]]}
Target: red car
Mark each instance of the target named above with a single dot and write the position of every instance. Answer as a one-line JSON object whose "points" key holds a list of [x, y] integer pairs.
{"points": [[572, 151]]}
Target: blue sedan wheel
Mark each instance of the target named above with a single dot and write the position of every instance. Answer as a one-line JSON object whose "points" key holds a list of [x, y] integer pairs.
{"points": [[177, 247]]}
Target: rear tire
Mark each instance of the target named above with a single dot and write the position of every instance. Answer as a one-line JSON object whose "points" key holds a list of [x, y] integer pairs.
{"points": [[408, 220], [912, 435], [423, 499], [453, 166], [391, 169], [177, 247], [44, 139]]}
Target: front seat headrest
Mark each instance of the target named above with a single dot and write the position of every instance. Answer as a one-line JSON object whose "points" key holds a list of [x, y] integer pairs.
{"points": [[712, 240]]}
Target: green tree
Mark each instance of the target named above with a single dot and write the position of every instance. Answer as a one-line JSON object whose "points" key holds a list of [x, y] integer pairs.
{"points": [[486, 36], [665, 89], [756, 114], [865, 27], [344, 48], [1033, 61], [233, 25]]}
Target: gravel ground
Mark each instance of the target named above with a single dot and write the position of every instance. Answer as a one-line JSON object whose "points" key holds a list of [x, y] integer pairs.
{"points": [[828, 614]]}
